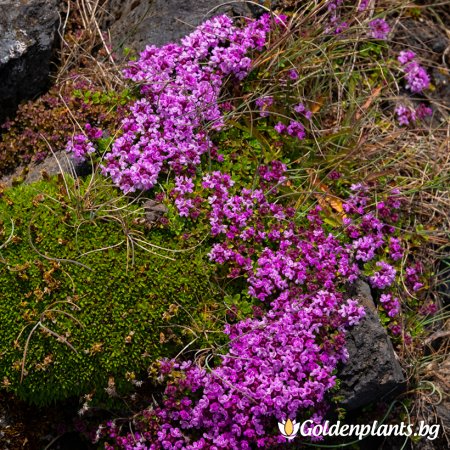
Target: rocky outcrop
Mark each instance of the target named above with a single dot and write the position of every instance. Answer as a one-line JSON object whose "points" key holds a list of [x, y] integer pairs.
{"points": [[373, 372], [27, 38], [153, 212], [137, 23], [53, 164]]}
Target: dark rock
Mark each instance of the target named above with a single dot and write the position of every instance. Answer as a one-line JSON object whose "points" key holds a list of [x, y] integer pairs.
{"points": [[137, 23], [372, 372], [424, 37], [27, 39], [82, 168], [153, 211], [53, 164], [4, 425], [70, 441], [24, 426]]}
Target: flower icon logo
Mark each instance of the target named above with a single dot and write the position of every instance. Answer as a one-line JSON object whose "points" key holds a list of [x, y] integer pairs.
{"points": [[288, 428]]}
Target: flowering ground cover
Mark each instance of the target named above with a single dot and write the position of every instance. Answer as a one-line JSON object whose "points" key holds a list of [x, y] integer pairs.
{"points": [[275, 145]]}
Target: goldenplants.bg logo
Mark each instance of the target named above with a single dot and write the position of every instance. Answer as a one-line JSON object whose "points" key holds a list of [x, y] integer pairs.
{"points": [[290, 429]]}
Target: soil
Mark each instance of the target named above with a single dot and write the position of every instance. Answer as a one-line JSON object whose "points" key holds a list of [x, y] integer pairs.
{"points": [[24, 427]]}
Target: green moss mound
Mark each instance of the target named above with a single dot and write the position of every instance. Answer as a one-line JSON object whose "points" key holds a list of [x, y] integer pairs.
{"points": [[81, 304]]}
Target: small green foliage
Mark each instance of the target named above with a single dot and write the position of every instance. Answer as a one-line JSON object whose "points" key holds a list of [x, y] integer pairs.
{"points": [[75, 312], [51, 120]]}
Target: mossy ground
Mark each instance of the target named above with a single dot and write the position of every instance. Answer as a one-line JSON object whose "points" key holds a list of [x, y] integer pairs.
{"points": [[77, 308]]}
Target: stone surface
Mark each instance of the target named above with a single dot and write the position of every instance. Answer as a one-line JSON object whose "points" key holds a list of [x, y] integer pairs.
{"points": [[423, 35], [137, 23], [153, 211], [27, 38], [53, 164], [373, 372]]}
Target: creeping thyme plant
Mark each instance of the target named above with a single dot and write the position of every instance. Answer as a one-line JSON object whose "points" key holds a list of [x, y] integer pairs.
{"points": [[247, 132], [291, 264]]}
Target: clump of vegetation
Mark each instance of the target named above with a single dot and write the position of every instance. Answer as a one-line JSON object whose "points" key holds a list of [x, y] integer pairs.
{"points": [[45, 124], [280, 123], [285, 160], [86, 298], [87, 89]]}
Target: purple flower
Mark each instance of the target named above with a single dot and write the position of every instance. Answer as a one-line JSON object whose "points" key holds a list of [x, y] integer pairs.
{"points": [[263, 103], [92, 132], [366, 247], [352, 312], [293, 74], [416, 77], [180, 88], [280, 127], [390, 304], [395, 248], [296, 129], [301, 109], [273, 172], [80, 146], [281, 361], [405, 115], [384, 277], [341, 27], [429, 309], [423, 111], [184, 185], [405, 56], [412, 277], [363, 5], [184, 206], [396, 330], [334, 175], [379, 28]]}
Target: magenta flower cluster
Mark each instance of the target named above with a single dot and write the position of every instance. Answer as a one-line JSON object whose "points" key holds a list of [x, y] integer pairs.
{"points": [[337, 23], [407, 115], [363, 5], [406, 56], [417, 79], [262, 243], [275, 365], [180, 87], [80, 147], [413, 277], [263, 103], [390, 304], [372, 235], [300, 108], [280, 363], [384, 276], [294, 128], [379, 29]]}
